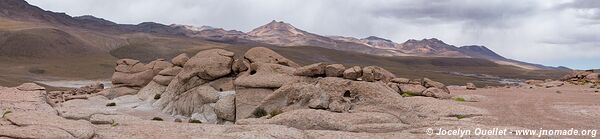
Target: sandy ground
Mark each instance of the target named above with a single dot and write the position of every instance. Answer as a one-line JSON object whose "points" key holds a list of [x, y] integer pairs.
{"points": [[569, 106]]}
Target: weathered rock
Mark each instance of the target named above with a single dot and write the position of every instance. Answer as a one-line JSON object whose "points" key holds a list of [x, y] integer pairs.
{"points": [[266, 75], [35, 131], [117, 92], [208, 65], [16, 100], [428, 83], [30, 87], [400, 80], [225, 108], [223, 84], [436, 93], [163, 80], [308, 119], [248, 99], [471, 86], [78, 129], [139, 79], [158, 65], [313, 70], [353, 73], [374, 73], [412, 89], [266, 55], [335, 70], [151, 90], [180, 60], [191, 101], [171, 71], [296, 95], [239, 66]]}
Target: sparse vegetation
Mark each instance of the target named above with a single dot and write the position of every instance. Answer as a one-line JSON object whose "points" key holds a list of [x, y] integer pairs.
{"points": [[259, 112], [111, 104], [157, 96], [157, 119], [459, 99], [6, 112], [275, 112], [458, 116], [195, 121], [408, 94], [113, 123]]}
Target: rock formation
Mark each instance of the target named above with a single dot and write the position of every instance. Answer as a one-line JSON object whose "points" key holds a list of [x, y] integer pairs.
{"points": [[212, 87]]}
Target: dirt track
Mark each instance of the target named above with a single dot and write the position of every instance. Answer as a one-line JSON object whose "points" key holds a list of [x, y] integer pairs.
{"points": [[534, 108]]}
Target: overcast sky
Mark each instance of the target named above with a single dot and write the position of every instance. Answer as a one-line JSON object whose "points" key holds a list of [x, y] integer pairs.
{"points": [[549, 32]]}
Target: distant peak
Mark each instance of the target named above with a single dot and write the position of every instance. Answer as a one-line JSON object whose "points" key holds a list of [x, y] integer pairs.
{"points": [[377, 38], [425, 40], [276, 27], [278, 24]]}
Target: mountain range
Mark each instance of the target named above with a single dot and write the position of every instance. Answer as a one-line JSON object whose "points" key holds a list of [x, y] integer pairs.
{"points": [[32, 38]]}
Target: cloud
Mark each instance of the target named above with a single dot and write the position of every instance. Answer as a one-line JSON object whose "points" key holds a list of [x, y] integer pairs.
{"points": [[550, 32]]}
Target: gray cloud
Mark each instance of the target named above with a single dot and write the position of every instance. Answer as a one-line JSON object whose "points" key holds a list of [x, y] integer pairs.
{"points": [[551, 32], [475, 12]]}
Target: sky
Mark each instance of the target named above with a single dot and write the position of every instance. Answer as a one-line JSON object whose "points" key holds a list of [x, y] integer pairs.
{"points": [[548, 32]]}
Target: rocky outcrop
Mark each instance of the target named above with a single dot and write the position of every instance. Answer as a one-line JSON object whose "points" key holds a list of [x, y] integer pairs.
{"points": [[195, 90], [374, 73], [353, 73], [335, 70]]}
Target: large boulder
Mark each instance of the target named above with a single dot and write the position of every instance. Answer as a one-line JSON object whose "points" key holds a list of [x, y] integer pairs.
{"points": [[208, 64], [163, 80], [136, 80], [335, 70], [180, 60], [428, 83], [436, 93], [225, 108], [189, 90], [158, 65], [266, 55], [171, 71], [353, 73], [400, 80], [313, 70], [266, 75], [333, 94], [375, 73], [248, 99]]}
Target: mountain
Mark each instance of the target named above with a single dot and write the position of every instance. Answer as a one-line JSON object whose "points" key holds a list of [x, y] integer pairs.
{"points": [[479, 51], [43, 45], [284, 34]]}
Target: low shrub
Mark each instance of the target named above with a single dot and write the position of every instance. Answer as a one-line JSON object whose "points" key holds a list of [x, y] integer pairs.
{"points": [[157, 119], [259, 112], [275, 112], [459, 99], [195, 121], [111, 104]]}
